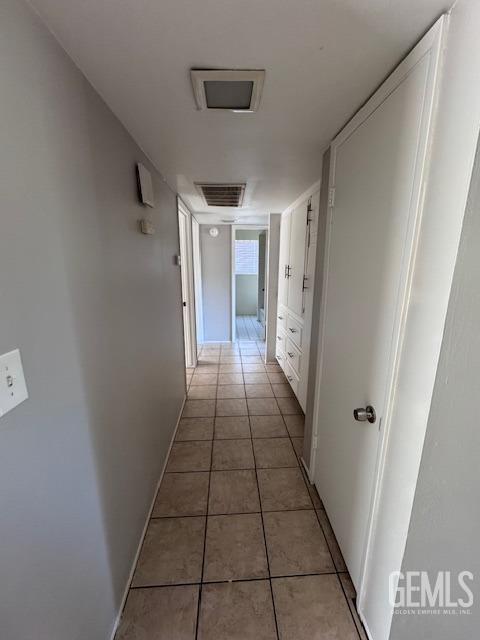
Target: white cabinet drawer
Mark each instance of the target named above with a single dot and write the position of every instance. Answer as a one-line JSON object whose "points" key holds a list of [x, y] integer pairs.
{"points": [[281, 340], [294, 331], [280, 356], [282, 318], [292, 378], [293, 356]]}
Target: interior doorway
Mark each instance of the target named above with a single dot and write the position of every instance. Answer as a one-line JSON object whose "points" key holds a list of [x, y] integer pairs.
{"points": [[249, 263], [188, 287]]}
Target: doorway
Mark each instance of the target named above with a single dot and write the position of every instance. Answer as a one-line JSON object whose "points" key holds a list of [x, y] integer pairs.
{"points": [[249, 248], [188, 287]]}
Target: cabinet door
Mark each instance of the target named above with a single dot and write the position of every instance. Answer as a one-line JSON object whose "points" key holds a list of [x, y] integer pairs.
{"points": [[297, 258], [283, 259]]}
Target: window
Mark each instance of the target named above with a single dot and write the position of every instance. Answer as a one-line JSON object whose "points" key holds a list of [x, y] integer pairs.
{"points": [[246, 257]]}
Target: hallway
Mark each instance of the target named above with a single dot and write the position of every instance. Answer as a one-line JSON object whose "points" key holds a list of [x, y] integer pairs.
{"points": [[249, 328], [239, 546]]}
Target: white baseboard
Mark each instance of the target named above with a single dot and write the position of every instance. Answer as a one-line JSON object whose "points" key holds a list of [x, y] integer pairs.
{"points": [[149, 514]]}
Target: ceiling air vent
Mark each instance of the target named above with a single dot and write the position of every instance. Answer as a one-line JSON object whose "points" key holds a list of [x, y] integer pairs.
{"points": [[228, 90], [222, 195]]}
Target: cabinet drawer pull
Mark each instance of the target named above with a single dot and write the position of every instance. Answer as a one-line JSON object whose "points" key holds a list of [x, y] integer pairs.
{"points": [[280, 317], [290, 354], [292, 330], [279, 337], [289, 378]]}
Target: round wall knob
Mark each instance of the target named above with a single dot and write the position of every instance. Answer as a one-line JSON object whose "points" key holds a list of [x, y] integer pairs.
{"points": [[365, 414]]}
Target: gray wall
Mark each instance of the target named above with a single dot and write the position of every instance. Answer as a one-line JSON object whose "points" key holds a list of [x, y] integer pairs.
{"points": [[445, 523], [246, 286], [317, 299], [246, 295], [216, 254], [94, 307]]}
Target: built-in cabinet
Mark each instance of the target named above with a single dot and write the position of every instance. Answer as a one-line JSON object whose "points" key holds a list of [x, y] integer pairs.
{"points": [[298, 243]]}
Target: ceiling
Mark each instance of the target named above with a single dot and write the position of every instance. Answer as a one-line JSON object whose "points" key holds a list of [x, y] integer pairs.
{"points": [[322, 58]]}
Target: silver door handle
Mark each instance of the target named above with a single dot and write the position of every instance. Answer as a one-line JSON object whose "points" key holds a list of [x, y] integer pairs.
{"points": [[363, 414]]}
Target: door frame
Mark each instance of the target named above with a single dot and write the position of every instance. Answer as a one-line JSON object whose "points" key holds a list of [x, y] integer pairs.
{"points": [[186, 266], [233, 287], [431, 44], [197, 279]]}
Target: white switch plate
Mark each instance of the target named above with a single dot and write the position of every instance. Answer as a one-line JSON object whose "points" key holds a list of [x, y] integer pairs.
{"points": [[13, 389]]}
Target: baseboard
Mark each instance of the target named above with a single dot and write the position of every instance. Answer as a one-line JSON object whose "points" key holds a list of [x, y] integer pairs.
{"points": [[307, 470], [142, 537]]}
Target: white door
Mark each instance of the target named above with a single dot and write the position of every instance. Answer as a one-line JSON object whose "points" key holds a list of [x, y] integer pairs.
{"points": [[186, 269], [298, 232], [376, 172], [284, 256]]}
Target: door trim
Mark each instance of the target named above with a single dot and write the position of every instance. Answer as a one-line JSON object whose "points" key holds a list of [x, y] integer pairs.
{"points": [[190, 330], [432, 45]]}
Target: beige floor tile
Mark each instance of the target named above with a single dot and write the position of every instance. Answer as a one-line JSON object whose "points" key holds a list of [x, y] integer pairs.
{"points": [[230, 378], [274, 452], [233, 492], [296, 544], [258, 391], [167, 613], [207, 368], [282, 489], [190, 456], [203, 379], [295, 425], [230, 359], [252, 360], [202, 392], [331, 541], [199, 409], [351, 596], [182, 494], [255, 378], [231, 427], [298, 446], [207, 360], [272, 367], [231, 407], [231, 391], [311, 607], [262, 406], [194, 429], [234, 548], [237, 611], [282, 390], [317, 503], [172, 552], [232, 454], [289, 406], [268, 427], [230, 368], [253, 368], [276, 378]]}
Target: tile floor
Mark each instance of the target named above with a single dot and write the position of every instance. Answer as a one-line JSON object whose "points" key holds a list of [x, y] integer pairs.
{"points": [[239, 546]]}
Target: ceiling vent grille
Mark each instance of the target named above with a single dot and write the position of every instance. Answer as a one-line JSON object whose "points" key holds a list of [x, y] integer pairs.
{"points": [[222, 195], [237, 90]]}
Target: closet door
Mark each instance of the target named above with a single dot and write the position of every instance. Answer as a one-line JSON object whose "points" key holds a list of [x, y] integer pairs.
{"points": [[297, 258], [283, 259]]}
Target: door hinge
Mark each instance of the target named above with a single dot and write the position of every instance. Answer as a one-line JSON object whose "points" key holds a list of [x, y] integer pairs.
{"points": [[309, 211], [331, 197]]}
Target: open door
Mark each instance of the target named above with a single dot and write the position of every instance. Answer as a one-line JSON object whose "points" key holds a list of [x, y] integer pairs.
{"points": [[188, 287]]}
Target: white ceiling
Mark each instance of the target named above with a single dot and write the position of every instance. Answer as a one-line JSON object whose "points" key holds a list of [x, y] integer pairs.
{"points": [[323, 58]]}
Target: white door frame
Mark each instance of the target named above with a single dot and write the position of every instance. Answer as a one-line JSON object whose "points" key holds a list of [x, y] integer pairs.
{"points": [[188, 294], [405, 479], [197, 278], [233, 288]]}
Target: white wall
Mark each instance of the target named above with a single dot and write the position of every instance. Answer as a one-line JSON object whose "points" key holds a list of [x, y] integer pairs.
{"points": [[94, 307], [216, 283]]}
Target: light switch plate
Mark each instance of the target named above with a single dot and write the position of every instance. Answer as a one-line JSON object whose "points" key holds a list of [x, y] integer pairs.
{"points": [[13, 389]]}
